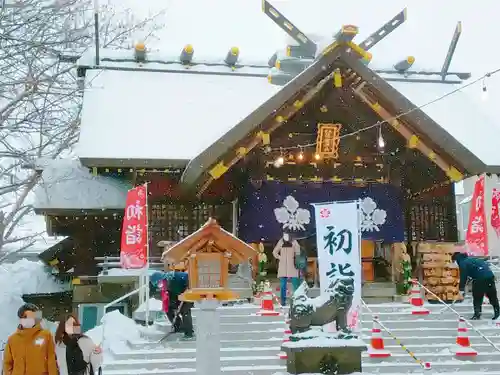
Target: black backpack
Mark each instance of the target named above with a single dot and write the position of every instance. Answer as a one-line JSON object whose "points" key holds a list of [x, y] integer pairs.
{"points": [[74, 358]]}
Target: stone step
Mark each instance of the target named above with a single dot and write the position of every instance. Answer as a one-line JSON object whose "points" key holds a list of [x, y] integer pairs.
{"points": [[445, 315], [462, 308], [431, 346], [156, 335], [227, 370], [378, 290], [428, 352], [175, 352], [168, 364], [378, 299], [244, 309], [442, 357], [431, 332], [429, 324], [431, 340], [244, 319], [232, 343], [253, 325]]}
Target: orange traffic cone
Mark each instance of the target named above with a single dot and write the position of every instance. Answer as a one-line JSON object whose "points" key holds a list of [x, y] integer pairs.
{"points": [[377, 348], [462, 347], [267, 305], [416, 300]]}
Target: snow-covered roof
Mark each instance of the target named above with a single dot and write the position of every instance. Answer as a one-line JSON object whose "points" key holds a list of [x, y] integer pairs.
{"points": [[463, 115], [169, 62], [243, 24], [67, 185], [163, 119]]}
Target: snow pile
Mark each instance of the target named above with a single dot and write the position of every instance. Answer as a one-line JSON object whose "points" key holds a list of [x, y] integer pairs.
{"points": [[319, 339], [16, 279], [67, 184], [114, 331], [155, 310], [154, 305]]}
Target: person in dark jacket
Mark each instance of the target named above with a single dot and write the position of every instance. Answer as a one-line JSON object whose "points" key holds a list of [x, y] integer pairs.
{"points": [[483, 282], [177, 283]]}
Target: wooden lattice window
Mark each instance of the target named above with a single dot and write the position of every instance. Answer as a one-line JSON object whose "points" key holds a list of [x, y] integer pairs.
{"points": [[209, 273], [173, 222], [210, 270]]}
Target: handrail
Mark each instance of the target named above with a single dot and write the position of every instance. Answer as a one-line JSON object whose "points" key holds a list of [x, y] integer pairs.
{"points": [[424, 365], [125, 296], [118, 258], [469, 324]]}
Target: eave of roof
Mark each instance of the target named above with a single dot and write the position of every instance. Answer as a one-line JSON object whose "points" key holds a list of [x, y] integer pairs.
{"points": [[422, 123], [68, 186]]}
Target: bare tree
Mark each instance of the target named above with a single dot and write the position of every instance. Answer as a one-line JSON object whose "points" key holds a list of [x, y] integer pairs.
{"points": [[40, 102]]}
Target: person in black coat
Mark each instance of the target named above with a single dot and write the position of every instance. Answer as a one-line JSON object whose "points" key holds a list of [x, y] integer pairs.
{"points": [[483, 282], [177, 283]]}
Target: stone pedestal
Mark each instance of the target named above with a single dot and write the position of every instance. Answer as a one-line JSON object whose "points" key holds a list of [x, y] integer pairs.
{"points": [[208, 338], [308, 356]]}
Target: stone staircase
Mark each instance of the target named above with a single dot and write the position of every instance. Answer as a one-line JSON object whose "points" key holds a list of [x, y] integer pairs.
{"points": [[250, 344]]}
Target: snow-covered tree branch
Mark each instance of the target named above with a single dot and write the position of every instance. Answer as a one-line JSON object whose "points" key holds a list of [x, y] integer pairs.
{"points": [[40, 99]]}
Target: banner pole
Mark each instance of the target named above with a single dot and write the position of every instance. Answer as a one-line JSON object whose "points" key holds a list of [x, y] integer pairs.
{"points": [[147, 255], [360, 317]]}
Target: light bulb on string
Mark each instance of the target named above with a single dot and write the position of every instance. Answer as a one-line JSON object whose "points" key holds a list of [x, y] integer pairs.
{"points": [[317, 156], [300, 155], [280, 160], [484, 94], [380, 140]]}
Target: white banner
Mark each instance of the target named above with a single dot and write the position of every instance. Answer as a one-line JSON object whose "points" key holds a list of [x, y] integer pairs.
{"points": [[338, 242]]}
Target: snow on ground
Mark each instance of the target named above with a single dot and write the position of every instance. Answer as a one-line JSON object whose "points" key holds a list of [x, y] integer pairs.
{"points": [[16, 279], [114, 331]]}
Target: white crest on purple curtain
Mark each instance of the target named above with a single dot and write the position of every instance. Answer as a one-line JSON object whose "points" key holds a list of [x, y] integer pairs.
{"points": [[291, 216], [371, 217]]}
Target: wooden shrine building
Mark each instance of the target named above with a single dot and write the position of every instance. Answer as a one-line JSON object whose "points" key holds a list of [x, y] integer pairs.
{"points": [[218, 140]]}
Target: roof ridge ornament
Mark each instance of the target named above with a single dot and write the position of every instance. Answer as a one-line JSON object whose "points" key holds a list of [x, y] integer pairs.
{"points": [[300, 57], [451, 50]]}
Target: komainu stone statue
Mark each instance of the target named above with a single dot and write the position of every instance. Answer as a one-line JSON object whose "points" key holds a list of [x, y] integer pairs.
{"points": [[313, 313], [312, 349]]}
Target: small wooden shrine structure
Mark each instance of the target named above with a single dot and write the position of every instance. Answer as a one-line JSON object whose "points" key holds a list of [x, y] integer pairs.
{"points": [[208, 253]]}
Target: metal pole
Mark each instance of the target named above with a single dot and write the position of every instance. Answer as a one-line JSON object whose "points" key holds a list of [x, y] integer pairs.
{"points": [[147, 256], [96, 31]]}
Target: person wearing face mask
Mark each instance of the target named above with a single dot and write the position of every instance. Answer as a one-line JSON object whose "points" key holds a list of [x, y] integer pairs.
{"points": [[286, 251], [30, 350], [76, 353]]}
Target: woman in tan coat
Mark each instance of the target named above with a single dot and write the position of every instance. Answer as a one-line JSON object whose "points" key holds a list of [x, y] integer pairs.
{"points": [[285, 252]]}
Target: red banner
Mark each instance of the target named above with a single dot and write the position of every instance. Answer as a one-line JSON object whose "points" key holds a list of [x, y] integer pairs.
{"points": [[477, 231], [495, 211], [133, 252]]}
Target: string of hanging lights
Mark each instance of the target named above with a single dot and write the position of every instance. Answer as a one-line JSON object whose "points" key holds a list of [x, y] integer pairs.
{"points": [[380, 139]]}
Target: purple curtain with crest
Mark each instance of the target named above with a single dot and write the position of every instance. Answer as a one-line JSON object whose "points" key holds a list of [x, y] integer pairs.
{"points": [[276, 207]]}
